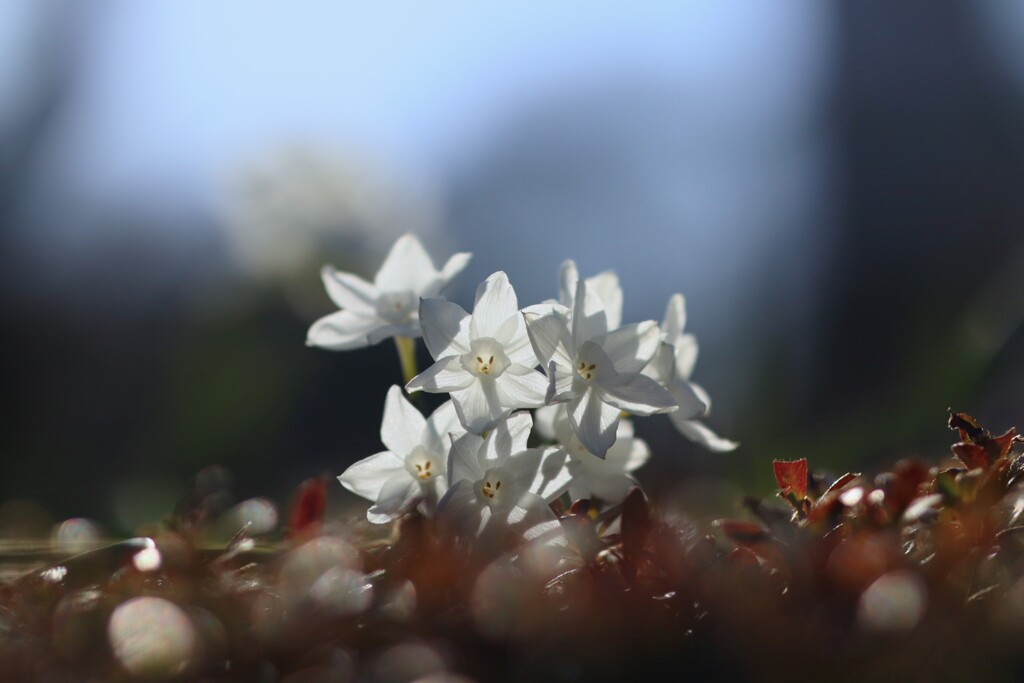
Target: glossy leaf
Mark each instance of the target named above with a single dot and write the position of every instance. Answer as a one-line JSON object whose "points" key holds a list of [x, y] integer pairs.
{"points": [[791, 476]]}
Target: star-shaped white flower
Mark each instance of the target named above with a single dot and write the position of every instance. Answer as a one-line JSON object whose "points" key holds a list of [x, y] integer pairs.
{"points": [[483, 360], [413, 471], [596, 370], [607, 478], [672, 367], [389, 307], [497, 483]]}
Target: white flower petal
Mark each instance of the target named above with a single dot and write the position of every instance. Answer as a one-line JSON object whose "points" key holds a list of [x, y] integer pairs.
{"points": [[478, 405], [702, 394], [407, 267], [593, 421], [611, 488], [618, 454], [508, 437], [632, 347], [568, 276], [552, 477], [549, 335], [446, 374], [512, 335], [464, 459], [639, 395], [544, 421], [699, 433], [589, 320], [521, 387], [461, 508], [395, 498], [560, 384], [445, 327], [626, 454], [402, 426], [546, 531], [495, 303], [688, 400], [662, 367], [606, 286], [489, 530], [366, 478], [546, 307], [579, 489], [452, 267], [686, 355], [342, 331], [439, 425], [348, 291], [639, 454], [675, 319], [522, 468], [531, 516]]}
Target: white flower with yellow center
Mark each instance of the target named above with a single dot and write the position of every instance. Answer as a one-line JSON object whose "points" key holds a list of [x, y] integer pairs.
{"points": [[498, 484], [388, 307], [595, 370], [609, 478], [412, 472], [483, 360], [672, 367]]}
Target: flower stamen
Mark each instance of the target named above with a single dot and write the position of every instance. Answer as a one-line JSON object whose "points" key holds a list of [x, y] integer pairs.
{"points": [[486, 359], [586, 371]]}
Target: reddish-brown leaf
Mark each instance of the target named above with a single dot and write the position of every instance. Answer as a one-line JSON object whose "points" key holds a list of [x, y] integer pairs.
{"points": [[791, 476], [842, 481], [977, 447], [968, 428], [904, 483], [971, 454], [1001, 445], [307, 508]]}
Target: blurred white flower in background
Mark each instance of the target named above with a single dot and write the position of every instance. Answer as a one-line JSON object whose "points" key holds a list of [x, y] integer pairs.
{"points": [[301, 202]]}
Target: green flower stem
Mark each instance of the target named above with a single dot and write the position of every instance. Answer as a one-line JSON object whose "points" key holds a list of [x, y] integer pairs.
{"points": [[407, 357]]}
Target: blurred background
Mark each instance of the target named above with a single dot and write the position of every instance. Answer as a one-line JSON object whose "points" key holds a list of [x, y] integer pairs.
{"points": [[838, 189]]}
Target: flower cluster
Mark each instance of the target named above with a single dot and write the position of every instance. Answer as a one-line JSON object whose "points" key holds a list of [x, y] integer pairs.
{"points": [[572, 361]]}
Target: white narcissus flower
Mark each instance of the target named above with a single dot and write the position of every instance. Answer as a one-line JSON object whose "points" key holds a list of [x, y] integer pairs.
{"points": [[413, 470], [498, 484], [389, 307], [596, 370], [483, 360], [672, 367], [608, 478]]}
